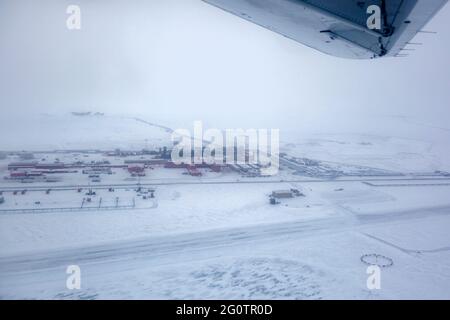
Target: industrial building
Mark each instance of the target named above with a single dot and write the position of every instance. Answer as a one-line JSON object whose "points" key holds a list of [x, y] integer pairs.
{"points": [[286, 194], [193, 171], [282, 194], [146, 162], [22, 165], [97, 170], [247, 170], [135, 170]]}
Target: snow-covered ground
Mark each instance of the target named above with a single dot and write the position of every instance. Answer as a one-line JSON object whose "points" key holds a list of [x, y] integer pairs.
{"points": [[203, 243], [71, 132], [217, 236], [179, 209], [313, 260]]}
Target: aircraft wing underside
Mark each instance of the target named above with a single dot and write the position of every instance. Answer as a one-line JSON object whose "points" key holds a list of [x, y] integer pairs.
{"points": [[339, 27]]}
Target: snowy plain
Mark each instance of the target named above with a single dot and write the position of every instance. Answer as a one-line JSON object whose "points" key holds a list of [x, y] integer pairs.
{"points": [[216, 237]]}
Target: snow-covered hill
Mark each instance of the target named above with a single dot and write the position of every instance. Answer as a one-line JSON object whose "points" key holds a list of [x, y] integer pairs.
{"points": [[70, 131]]}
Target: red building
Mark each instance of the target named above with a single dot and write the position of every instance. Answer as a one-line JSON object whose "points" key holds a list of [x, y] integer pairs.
{"points": [[136, 170], [171, 165], [18, 174], [193, 171]]}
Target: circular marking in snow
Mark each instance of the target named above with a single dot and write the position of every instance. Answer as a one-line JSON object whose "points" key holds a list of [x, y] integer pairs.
{"points": [[379, 260]]}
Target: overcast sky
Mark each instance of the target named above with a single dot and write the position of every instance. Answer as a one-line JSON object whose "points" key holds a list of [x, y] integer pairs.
{"points": [[187, 60]]}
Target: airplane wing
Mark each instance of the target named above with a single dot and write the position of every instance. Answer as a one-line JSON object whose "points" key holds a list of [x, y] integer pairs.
{"points": [[339, 27]]}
